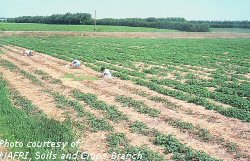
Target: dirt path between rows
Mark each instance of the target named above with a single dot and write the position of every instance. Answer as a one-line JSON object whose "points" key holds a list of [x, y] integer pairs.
{"points": [[128, 34], [107, 94]]}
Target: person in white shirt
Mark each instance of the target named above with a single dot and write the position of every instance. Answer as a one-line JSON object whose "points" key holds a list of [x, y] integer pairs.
{"points": [[75, 64], [105, 73], [28, 53]]}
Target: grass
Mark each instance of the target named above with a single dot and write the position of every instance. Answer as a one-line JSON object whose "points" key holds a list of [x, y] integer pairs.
{"points": [[79, 78], [87, 28], [18, 125], [231, 30]]}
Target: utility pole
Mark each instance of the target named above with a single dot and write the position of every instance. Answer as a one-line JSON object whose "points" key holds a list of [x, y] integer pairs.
{"points": [[95, 21]]}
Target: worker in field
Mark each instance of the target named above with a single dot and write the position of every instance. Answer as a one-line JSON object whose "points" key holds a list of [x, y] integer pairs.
{"points": [[105, 73], [75, 64], [28, 53]]}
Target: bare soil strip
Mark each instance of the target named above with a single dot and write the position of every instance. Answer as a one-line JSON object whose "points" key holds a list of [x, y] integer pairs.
{"points": [[198, 35], [108, 96]]}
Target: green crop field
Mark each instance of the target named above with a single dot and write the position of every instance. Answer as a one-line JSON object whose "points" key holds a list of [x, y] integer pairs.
{"points": [[237, 30], [177, 99], [87, 28], [196, 66]]}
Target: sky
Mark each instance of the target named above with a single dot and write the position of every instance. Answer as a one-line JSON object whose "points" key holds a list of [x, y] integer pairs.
{"points": [[188, 9]]}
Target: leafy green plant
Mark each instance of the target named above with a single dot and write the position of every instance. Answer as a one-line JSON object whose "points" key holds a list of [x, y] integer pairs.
{"points": [[181, 152], [119, 143], [142, 128], [97, 124], [166, 102], [230, 112], [26, 105], [112, 112], [139, 106]]}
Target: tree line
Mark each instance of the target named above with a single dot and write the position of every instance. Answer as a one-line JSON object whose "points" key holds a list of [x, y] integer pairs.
{"points": [[162, 23], [226, 24], [180, 24], [68, 18]]}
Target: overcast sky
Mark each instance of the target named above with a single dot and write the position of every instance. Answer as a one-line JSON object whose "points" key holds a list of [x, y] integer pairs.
{"points": [[189, 9]]}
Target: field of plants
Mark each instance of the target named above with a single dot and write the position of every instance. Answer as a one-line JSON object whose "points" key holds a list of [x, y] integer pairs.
{"points": [[87, 28], [237, 30], [171, 99]]}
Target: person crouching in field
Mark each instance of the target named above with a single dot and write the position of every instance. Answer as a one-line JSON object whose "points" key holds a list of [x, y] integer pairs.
{"points": [[105, 73], [75, 64], [28, 53]]}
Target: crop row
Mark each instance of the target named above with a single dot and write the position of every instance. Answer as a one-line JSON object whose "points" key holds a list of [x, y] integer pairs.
{"points": [[112, 113], [200, 100], [95, 123], [170, 143], [32, 125], [91, 100], [139, 106], [12, 67], [119, 143], [233, 100], [197, 131], [230, 112]]}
